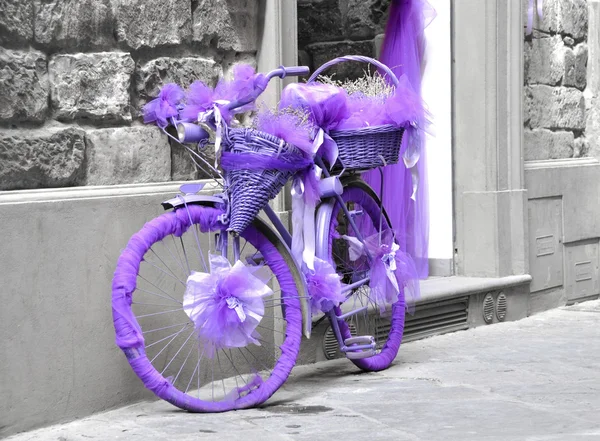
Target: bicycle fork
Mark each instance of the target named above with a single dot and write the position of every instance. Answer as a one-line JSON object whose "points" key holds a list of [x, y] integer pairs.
{"points": [[354, 348]]}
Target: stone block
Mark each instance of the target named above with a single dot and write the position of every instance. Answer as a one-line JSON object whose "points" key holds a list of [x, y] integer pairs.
{"points": [[152, 23], [127, 155], [304, 59], [23, 86], [182, 166], [543, 144], [546, 60], [78, 24], [41, 158], [564, 17], [576, 66], [150, 77], [16, 21], [554, 108], [91, 86], [581, 147], [323, 52], [365, 18], [230, 25], [573, 18], [378, 42], [318, 21]]}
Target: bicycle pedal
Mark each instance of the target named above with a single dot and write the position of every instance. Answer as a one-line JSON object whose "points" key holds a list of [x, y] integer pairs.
{"points": [[360, 340], [362, 346]]}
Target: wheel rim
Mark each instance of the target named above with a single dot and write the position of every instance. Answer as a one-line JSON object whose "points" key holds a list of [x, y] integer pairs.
{"points": [[160, 340]]}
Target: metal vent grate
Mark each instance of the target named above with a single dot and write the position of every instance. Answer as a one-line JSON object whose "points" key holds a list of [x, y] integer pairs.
{"points": [[330, 343], [437, 318], [488, 308], [501, 305]]}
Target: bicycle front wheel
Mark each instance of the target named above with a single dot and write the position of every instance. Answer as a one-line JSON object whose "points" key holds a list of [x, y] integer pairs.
{"points": [[383, 322], [163, 343]]}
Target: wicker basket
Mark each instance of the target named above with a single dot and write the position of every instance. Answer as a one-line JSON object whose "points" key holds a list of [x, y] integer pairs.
{"points": [[366, 147], [250, 189]]}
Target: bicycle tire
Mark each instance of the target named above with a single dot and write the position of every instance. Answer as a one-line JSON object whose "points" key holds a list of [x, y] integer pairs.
{"points": [[359, 192], [129, 333]]}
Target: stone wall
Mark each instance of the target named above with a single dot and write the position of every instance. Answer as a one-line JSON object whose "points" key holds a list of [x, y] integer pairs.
{"points": [[556, 82], [332, 28], [74, 75]]}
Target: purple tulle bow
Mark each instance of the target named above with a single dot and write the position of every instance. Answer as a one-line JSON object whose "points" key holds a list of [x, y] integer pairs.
{"points": [[226, 304], [326, 105], [242, 86], [160, 109], [324, 287], [199, 99], [392, 270]]}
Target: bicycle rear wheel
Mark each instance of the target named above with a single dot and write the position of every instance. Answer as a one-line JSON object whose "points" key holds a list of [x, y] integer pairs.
{"points": [[387, 328], [161, 341]]}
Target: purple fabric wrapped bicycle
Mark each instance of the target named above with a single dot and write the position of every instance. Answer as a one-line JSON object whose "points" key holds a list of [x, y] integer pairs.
{"points": [[209, 301]]}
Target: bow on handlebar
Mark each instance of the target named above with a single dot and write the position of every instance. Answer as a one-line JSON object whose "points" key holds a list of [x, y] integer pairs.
{"points": [[194, 133]]}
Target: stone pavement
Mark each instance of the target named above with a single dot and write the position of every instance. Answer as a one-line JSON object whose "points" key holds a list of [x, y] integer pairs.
{"points": [[536, 379]]}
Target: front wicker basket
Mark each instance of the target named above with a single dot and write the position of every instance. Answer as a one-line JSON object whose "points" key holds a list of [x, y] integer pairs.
{"points": [[250, 190]]}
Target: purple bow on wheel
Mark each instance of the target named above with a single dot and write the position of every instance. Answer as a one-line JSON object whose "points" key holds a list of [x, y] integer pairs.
{"points": [[226, 305]]}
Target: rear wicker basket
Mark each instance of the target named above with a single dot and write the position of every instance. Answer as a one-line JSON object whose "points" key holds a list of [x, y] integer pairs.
{"points": [[367, 147], [249, 189]]}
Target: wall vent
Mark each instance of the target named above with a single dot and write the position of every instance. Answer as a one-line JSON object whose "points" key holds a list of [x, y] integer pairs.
{"points": [[501, 307], [437, 318], [488, 308]]}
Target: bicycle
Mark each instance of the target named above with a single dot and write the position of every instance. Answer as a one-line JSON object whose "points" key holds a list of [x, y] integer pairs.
{"points": [[243, 362]]}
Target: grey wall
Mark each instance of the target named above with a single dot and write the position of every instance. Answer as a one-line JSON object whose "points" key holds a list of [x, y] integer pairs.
{"points": [[75, 74]]}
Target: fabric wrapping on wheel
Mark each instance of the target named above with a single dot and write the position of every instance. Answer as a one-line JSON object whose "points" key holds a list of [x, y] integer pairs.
{"points": [[129, 336]]}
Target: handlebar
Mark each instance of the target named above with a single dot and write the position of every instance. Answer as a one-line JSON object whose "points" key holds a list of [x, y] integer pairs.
{"points": [[261, 82], [187, 132]]}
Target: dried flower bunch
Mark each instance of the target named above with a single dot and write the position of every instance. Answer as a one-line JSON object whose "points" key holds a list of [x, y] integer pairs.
{"points": [[370, 84]]}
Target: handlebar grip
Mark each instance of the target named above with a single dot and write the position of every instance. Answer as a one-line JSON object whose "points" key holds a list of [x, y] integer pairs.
{"points": [[295, 71]]}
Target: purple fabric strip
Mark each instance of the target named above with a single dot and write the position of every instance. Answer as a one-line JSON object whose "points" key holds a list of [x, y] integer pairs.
{"points": [[531, 12], [403, 49]]}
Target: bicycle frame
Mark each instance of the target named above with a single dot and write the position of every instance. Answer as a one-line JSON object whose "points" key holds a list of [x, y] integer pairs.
{"points": [[323, 212]]}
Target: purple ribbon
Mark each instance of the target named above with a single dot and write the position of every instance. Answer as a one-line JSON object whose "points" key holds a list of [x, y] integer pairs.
{"points": [[305, 196], [530, 12]]}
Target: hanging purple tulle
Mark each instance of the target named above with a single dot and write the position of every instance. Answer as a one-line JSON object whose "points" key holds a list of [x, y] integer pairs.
{"points": [[160, 109], [324, 287], [392, 270], [402, 50], [226, 305]]}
